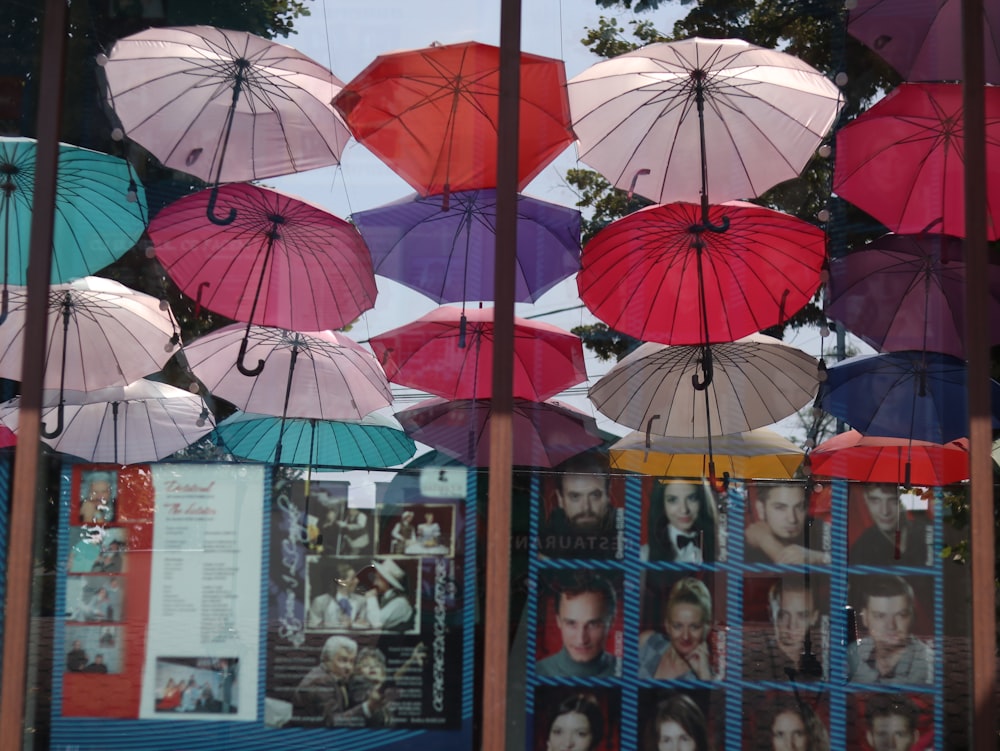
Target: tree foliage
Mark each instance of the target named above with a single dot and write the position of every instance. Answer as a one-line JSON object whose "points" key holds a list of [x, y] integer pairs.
{"points": [[812, 30]]}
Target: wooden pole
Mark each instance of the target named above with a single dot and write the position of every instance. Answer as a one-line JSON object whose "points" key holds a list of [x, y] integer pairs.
{"points": [[498, 525], [977, 322], [17, 615]]}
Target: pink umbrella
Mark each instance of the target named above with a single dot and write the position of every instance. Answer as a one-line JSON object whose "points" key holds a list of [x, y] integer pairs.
{"points": [[282, 262], [547, 432], [449, 353], [902, 161]]}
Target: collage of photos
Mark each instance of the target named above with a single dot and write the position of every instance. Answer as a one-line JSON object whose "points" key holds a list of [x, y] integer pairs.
{"points": [[96, 583], [376, 638], [785, 619]]}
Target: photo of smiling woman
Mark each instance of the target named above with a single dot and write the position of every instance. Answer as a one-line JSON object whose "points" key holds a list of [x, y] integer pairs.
{"points": [[682, 522], [681, 650]]}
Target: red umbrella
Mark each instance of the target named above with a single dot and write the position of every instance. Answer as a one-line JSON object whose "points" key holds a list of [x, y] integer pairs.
{"points": [[450, 354], [547, 432], [854, 456], [902, 161], [659, 276], [282, 262], [431, 115]]}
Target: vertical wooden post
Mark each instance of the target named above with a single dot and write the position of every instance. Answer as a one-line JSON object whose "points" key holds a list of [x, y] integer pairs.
{"points": [[977, 322], [497, 610], [17, 616]]}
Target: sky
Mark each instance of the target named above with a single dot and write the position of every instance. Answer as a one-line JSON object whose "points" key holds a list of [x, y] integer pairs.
{"points": [[345, 35]]}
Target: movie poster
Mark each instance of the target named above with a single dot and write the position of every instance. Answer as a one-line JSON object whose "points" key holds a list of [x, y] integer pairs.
{"points": [[365, 606]]}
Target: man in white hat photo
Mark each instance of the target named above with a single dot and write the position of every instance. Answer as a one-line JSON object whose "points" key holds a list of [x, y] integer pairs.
{"points": [[387, 605]]}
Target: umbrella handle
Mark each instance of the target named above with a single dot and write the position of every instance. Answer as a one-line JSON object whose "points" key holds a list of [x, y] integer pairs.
{"points": [[241, 359], [709, 227], [4, 303], [719, 486], [210, 210], [59, 423], [706, 368]]}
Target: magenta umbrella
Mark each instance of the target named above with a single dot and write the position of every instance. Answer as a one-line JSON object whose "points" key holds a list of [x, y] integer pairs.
{"points": [[921, 39], [907, 292], [547, 432], [902, 161], [282, 262]]}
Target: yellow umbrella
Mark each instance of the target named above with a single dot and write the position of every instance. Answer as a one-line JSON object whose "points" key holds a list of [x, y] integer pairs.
{"points": [[754, 454]]}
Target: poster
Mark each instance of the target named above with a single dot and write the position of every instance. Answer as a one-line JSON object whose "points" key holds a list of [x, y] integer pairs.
{"points": [[161, 596], [366, 617]]}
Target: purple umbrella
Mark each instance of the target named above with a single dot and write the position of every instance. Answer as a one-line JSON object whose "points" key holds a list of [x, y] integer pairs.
{"points": [[922, 39], [547, 432], [907, 292], [448, 255]]}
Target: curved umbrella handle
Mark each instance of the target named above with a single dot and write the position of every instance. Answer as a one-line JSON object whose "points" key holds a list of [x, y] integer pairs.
{"points": [[210, 211], [706, 367], [59, 423], [707, 225], [241, 359], [719, 486]]}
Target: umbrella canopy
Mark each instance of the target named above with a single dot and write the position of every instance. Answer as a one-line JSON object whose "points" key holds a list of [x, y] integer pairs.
{"points": [[757, 381], [754, 454], [100, 333], [676, 121], [919, 38], [322, 374], [449, 353], [909, 394], [902, 161], [450, 255], [658, 276], [904, 292], [224, 106], [144, 421], [547, 432], [375, 441], [282, 262], [431, 115], [100, 210], [891, 460]]}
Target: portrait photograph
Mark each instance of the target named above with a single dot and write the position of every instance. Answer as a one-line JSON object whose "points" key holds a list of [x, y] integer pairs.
{"points": [[887, 527], [690, 719], [575, 718], [786, 627], [580, 624], [787, 523], [890, 722], [97, 501], [680, 521], [793, 720], [682, 633]]}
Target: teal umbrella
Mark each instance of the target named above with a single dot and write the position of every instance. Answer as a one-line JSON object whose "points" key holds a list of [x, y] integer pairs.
{"points": [[374, 442], [100, 210]]}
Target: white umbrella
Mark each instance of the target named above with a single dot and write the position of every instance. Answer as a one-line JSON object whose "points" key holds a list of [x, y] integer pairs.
{"points": [[100, 333], [681, 121], [142, 422], [757, 381], [321, 374]]}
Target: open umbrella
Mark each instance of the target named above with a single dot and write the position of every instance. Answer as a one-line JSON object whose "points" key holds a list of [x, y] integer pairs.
{"points": [[431, 115], [224, 106], [753, 454], [911, 394], [449, 255], [143, 422], [685, 120], [100, 210], [900, 461], [450, 354], [659, 276], [907, 292], [547, 432], [919, 38], [100, 333], [374, 441], [283, 262], [322, 374], [902, 161]]}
